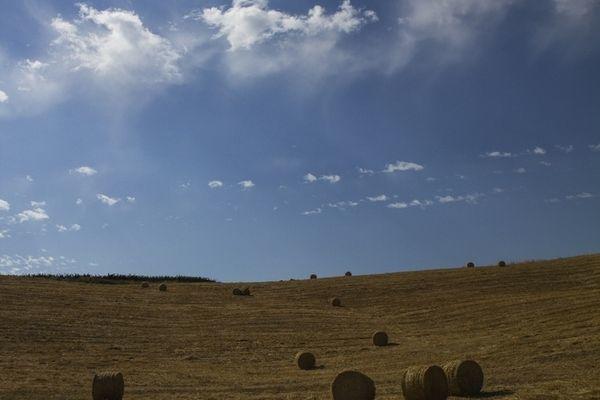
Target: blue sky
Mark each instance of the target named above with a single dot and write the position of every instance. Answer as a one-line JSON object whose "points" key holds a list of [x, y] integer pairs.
{"points": [[255, 140]]}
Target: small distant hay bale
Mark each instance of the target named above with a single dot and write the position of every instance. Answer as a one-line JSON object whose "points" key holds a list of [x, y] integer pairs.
{"points": [[237, 292], [352, 385], [246, 291], [145, 285], [425, 383], [470, 265], [465, 377], [305, 360], [163, 287], [502, 264], [313, 276], [348, 273], [108, 386], [380, 338], [336, 302]]}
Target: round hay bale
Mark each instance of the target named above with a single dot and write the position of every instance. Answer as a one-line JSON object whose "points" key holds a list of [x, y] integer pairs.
{"points": [[145, 285], [108, 386], [465, 377], [163, 287], [425, 383], [334, 301], [502, 264], [305, 360], [380, 338], [246, 291], [313, 276], [352, 385], [237, 292], [470, 265], [348, 273]]}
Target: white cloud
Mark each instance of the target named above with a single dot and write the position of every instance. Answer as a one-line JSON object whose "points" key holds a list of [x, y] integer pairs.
{"points": [[310, 178], [421, 203], [28, 178], [552, 200], [110, 201], [79, 201], [545, 163], [250, 22], [72, 228], [313, 212], [497, 190], [565, 149], [468, 198], [331, 178], [84, 170], [3, 97], [215, 184], [248, 184], [4, 234], [35, 214], [497, 154], [37, 203], [520, 170], [343, 204], [397, 205], [595, 147], [582, 195], [4, 205], [114, 44], [365, 171], [538, 151], [402, 166], [381, 197], [130, 199]]}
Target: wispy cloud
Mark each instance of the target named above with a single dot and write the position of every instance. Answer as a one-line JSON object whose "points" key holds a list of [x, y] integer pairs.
{"points": [[565, 149], [130, 199], [582, 195], [3, 97], [4, 205], [539, 151], [72, 228], [215, 184], [34, 214], [313, 212], [520, 170], [84, 170], [468, 198], [594, 147], [397, 205], [365, 171], [246, 185], [110, 201], [381, 197], [4, 233], [402, 166], [497, 154], [311, 178]]}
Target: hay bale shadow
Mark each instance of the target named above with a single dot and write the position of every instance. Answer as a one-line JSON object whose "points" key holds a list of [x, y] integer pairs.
{"points": [[493, 393]]}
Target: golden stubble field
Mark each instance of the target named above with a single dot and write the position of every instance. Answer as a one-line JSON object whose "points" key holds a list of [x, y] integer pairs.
{"points": [[534, 328]]}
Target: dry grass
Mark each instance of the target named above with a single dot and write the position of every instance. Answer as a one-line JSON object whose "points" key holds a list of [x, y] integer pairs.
{"points": [[534, 328]]}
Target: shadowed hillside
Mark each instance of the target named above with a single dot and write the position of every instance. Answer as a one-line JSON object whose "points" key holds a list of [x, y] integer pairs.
{"points": [[534, 328]]}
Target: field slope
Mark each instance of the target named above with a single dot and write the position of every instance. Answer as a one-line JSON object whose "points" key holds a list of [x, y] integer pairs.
{"points": [[534, 327]]}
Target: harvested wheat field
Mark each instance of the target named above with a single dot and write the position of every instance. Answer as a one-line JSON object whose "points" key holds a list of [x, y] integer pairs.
{"points": [[533, 327]]}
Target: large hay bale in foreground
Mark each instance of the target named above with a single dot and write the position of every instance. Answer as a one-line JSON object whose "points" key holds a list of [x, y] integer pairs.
{"points": [[502, 263], [246, 291], [145, 285], [108, 386], [334, 301], [465, 377], [305, 360], [352, 385], [470, 265], [237, 292], [380, 338], [163, 287], [313, 276], [425, 383], [348, 273]]}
